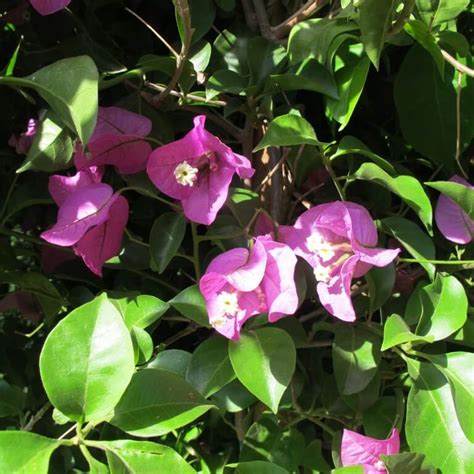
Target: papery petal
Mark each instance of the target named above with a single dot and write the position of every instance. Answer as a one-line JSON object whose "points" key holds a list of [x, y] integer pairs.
{"points": [[242, 269], [47, 7], [61, 187], [127, 153], [263, 225], [362, 227], [118, 121], [377, 257], [87, 207], [452, 221], [104, 241], [278, 283], [335, 296], [295, 238], [240, 163], [208, 196], [358, 449], [54, 257]]}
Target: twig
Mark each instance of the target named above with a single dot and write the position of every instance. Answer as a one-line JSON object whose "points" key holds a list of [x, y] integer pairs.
{"points": [[408, 6], [182, 7], [458, 125], [185, 332], [262, 18], [306, 11], [269, 175], [249, 14], [35, 418], [181, 95], [139, 18], [457, 65]]}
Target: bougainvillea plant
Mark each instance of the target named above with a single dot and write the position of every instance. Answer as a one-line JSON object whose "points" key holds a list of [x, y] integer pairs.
{"points": [[236, 236]]}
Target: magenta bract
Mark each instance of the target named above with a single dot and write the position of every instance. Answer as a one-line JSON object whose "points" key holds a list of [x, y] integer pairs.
{"points": [[23, 143], [48, 7], [452, 221], [241, 283], [118, 140], [91, 218], [357, 449], [338, 240], [197, 170]]}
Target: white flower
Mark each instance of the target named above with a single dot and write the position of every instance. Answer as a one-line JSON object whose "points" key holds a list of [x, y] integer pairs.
{"points": [[227, 304], [320, 247], [185, 174]]}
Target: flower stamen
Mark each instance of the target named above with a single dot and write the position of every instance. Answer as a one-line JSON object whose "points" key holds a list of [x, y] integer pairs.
{"points": [[185, 174], [228, 304]]}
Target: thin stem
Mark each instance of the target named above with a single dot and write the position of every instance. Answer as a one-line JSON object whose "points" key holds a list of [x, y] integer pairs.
{"points": [[437, 262], [181, 95], [408, 6], [196, 241], [337, 185], [458, 124], [69, 430], [153, 196], [8, 196], [134, 240], [147, 277], [183, 333], [35, 418], [456, 64]]}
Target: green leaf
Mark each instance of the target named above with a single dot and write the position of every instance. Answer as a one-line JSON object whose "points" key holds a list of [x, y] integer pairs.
{"points": [[432, 427], [404, 463], [457, 368], [173, 360], [442, 306], [462, 195], [349, 470], [166, 237], [70, 87], [87, 361], [25, 453], [375, 18], [408, 188], [350, 81], [435, 12], [234, 397], [203, 13], [288, 130], [210, 368], [142, 345], [415, 241], [427, 124], [378, 421], [264, 361], [311, 76], [421, 33], [12, 399], [313, 38], [52, 147], [225, 80], [313, 457], [259, 467], [356, 355], [353, 146], [191, 304], [381, 282], [157, 402], [144, 310], [140, 457], [396, 331]]}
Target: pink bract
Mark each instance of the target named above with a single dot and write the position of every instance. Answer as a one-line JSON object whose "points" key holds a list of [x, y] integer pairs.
{"points": [[91, 218], [197, 170], [338, 240], [23, 143], [452, 221], [241, 283], [118, 140], [48, 7], [357, 449]]}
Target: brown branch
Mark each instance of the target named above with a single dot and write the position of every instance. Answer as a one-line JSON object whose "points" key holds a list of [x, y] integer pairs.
{"points": [[306, 11], [456, 64], [249, 14], [408, 6], [182, 7], [262, 18]]}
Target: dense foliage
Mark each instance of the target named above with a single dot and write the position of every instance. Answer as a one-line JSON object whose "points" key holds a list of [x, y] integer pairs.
{"points": [[236, 236]]}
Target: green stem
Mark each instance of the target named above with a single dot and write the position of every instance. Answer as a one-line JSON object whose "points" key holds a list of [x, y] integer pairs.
{"points": [[438, 262], [153, 196], [8, 196], [337, 185], [196, 241]]}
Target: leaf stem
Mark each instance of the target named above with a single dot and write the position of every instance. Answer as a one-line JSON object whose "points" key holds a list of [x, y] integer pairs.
{"points": [[437, 262], [196, 241]]}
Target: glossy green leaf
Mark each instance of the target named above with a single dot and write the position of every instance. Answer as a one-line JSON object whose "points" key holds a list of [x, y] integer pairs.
{"points": [[210, 368], [288, 130], [166, 237], [140, 457], [407, 187], [463, 195], [142, 345], [350, 81], [22, 452], [87, 361], [173, 360], [404, 463], [313, 457], [381, 282], [441, 307], [191, 304], [427, 124], [234, 397], [435, 12], [156, 402], [143, 310], [70, 86], [378, 420], [349, 470], [457, 367], [225, 80], [259, 467], [375, 18], [264, 361], [52, 147], [415, 241], [422, 34], [313, 38], [432, 427], [396, 331], [356, 355], [12, 399]]}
